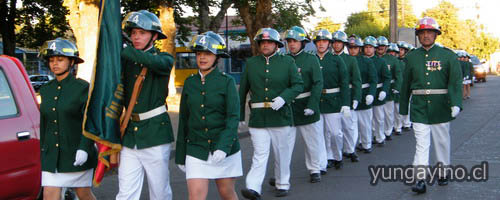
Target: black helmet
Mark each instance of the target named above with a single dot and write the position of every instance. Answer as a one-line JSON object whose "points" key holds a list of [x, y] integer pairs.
{"points": [[59, 47], [209, 41], [268, 34], [142, 19], [297, 33]]}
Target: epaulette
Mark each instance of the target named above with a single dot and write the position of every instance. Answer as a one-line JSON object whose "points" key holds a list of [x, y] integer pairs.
{"points": [[81, 81]]}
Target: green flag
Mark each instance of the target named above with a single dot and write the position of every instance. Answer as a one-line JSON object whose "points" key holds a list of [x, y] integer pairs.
{"points": [[102, 116]]}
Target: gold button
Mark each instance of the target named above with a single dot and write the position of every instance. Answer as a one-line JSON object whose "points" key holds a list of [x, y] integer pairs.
{"points": [[429, 101], [202, 105], [266, 98], [55, 133], [135, 76], [53, 109], [203, 82], [209, 141], [58, 87], [267, 71], [55, 98], [428, 83], [136, 102], [57, 145], [267, 79], [202, 93], [206, 129], [55, 121], [266, 89], [426, 55], [135, 128], [427, 73], [203, 117], [321, 100]]}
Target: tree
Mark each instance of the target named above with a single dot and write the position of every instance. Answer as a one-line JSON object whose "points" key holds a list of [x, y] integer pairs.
{"points": [[281, 15], [328, 24], [8, 15], [380, 11], [205, 21], [362, 24]]}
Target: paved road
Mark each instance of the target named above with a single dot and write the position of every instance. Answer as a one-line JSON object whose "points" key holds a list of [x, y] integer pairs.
{"points": [[475, 138]]}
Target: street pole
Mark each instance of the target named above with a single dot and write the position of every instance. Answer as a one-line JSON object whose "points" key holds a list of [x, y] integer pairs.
{"points": [[393, 20]]}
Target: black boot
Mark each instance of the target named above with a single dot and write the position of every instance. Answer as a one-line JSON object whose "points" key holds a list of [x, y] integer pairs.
{"points": [[338, 164], [315, 177], [443, 181], [419, 187], [354, 157], [250, 194], [281, 193], [330, 164], [272, 182], [388, 137]]}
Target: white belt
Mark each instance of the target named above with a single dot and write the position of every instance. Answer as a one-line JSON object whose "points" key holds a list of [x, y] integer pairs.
{"points": [[150, 114], [380, 85], [331, 90], [366, 85], [261, 105], [429, 91], [303, 95]]}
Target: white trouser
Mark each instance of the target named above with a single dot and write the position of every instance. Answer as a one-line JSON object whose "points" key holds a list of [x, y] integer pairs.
{"points": [[378, 123], [406, 119], [389, 117], [365, 127], [398, 118], [133, 164], [350, 132], [441, 142], [314, 140], [262, 138], [333, 136]]}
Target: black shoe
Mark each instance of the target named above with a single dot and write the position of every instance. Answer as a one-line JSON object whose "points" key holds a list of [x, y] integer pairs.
{"points": [[398, 133], [315, 177], [330, 164], [345, 154], [368, 150], [250, 194], [419, 187], [360, 147], [281, 193], [380, 144], [272, 182], [338, 164], [443, 181], [388, 137], [406, 128], [323, 172], [354, 157]]}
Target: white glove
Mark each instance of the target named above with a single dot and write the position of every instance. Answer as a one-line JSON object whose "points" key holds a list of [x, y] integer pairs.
{"points": [[454, 111], [241, 126], [381, 96], [395, 91], [182, 168], [278, 102], [369, 99], [218, 156], [308, 112], [354, 104], [80, 158], [346, 110]]}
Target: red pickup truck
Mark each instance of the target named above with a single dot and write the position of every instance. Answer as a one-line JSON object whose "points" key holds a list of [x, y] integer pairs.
{"points": [[20, 171]]}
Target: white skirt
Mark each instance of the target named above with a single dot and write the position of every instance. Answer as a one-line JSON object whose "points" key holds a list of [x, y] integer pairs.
{"points": [[466, 82], [229, 167], [68, 179]]}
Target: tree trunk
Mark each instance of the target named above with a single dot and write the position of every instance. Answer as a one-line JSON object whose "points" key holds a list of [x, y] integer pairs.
{"points": [[84, 21], [168, 45], [7, 26], [203, 11], [217, 21], [252, 23]]}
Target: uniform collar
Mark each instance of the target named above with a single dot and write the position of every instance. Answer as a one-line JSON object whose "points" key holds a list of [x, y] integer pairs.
{"points": [[430, 49], [66, 80], [324, 55], [269, 57], [214, 72], [297, 54]]}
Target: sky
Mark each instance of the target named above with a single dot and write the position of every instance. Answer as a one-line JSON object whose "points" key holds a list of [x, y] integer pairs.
{"points": [[487, 10]]}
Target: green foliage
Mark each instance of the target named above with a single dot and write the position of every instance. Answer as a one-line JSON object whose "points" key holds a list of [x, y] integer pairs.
{"points": [[328, 24], [288, 13], [380, 11], [362, 24]]}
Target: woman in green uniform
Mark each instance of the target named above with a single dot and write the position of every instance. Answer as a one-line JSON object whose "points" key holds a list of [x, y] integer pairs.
{"points": [[207, 138], [68, 158]]}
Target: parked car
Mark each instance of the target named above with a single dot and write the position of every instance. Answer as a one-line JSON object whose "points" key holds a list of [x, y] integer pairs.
{"points": [[20, 171], [480, 69], [38, 80]]}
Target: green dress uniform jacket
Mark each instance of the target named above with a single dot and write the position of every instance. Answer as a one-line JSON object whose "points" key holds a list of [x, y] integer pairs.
{"points": [[157, 130], [437, 68], [209, 116], [466, 70], [267, 78], [384, 78], [61, 117], [308, 68], [397, 76], [354, 77], [368, 77], [396, 97], [334, 76]]}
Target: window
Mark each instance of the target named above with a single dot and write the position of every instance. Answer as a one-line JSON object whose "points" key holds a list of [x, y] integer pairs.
{"points": [[186, 61], [7, 102]]}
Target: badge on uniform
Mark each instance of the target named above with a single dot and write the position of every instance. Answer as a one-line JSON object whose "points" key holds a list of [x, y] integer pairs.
{"points": [[389, 67], [433, 65], [299, 69]]}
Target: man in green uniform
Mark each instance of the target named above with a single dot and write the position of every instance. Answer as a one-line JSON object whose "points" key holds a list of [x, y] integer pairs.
{"points": [[393, 50], [383, 86], [273, 82], [404, 47], [146, 143], [369, 80], [349, 124], [334, 98], [395, 68], [433, 78], [305, 107]]}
